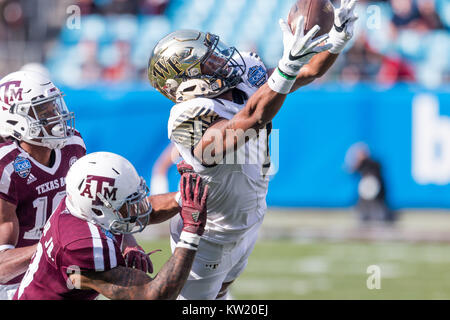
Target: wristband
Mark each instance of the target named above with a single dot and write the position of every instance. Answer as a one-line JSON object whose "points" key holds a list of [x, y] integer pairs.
{"points": [[6, 247], [281, 82], [188, 240], [178, 198]]}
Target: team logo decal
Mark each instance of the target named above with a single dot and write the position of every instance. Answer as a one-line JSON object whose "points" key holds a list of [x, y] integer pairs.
{"points": [[72, 161], [11, 92], [257, 76], [22, 167], [105, 187]]}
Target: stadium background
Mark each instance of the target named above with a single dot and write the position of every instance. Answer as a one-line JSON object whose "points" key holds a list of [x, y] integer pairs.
{"points": [[390, 90]]}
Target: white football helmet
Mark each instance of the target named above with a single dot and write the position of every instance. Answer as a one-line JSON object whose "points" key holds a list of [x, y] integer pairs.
{"points": [[104, 188], [32, 109]]}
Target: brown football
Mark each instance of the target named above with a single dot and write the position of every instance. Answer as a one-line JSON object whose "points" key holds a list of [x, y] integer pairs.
{"points": [[318, 12]]}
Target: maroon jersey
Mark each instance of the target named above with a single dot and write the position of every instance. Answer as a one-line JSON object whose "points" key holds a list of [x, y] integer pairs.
{"points": [[68, 244], [36, 190]]}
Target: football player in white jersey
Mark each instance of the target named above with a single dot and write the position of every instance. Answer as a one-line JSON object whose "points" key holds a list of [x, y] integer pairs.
{"points": [[225, 101]]}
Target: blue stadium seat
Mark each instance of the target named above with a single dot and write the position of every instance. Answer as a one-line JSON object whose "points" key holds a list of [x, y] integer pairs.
{"points": [[123, 27], [411, 45], [93, 27], [108, 55], [443, 8], [193, 14], [151, 29]]}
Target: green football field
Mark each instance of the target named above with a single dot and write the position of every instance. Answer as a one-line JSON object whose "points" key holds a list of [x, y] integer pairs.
{"points": [[283, 269], [289, 268]]}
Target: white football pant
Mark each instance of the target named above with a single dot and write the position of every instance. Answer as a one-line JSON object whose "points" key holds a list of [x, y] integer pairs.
{"points": [[214, 263]]}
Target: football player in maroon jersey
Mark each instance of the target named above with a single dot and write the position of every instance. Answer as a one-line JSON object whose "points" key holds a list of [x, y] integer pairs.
{"points": [[33, 165], [79, 256], [34, 161]]}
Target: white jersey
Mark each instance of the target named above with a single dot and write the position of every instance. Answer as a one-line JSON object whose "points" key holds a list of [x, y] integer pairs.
{"points": [[237, 187]]}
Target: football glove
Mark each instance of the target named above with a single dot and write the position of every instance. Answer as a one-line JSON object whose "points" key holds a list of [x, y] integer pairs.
{"points": [[344, 26], [298, 51], [193, 210], [135, 257]]}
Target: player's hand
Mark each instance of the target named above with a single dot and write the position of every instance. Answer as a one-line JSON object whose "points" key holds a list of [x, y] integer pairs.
{"points": [[135, 257], [298, 47], [344, 25], [193, 197], [184, 167]]}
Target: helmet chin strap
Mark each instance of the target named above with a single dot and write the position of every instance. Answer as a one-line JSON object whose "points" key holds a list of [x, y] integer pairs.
{"points": [[195, 88], [48, 143]]}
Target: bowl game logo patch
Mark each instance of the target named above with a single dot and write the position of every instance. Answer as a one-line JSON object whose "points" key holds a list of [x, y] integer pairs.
{"points": [[22, 167], [256, 76]]}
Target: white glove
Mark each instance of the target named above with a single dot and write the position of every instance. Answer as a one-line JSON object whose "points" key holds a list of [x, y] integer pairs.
{"points": [[298, 48], [298, 51], [344, 26]]}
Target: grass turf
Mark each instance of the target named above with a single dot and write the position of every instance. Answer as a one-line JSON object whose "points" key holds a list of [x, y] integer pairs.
{"points": [[289, 270]]}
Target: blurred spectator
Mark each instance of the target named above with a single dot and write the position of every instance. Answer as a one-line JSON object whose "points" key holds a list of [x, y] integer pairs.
{"points": [[153, 6], [371, 205], [393, 70], [91, 71], [120, 6], [405, 13], [362, 63], [122, 69], [385, 56], [429, 18], [88, 7]]}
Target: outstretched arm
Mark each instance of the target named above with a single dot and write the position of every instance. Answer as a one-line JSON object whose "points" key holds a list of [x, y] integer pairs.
{"points": [[317, 67], [164, 206], [228, 135]]}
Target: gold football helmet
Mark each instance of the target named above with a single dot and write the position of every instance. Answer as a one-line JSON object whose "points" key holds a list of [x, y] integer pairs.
{"points": [[187, 64]]}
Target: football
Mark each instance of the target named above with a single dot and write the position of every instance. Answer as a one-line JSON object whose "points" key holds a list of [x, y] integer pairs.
{"points": [[318, 12]]}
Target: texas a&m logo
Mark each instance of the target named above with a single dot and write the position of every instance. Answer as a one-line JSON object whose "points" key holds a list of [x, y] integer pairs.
{"points": [[104, 186], [11, 91]]}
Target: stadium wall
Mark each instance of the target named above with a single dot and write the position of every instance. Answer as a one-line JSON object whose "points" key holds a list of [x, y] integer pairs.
{"points": [[406, 128]]}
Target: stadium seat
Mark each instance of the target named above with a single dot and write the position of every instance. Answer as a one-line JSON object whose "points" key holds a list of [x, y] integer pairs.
{"points": [[443, 9], [93, 27], [123, 27], [248, 25]]}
